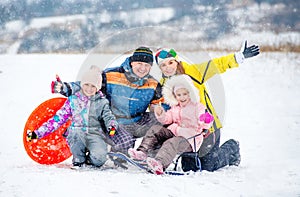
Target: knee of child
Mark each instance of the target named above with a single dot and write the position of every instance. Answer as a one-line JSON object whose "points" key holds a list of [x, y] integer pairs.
{"points": [[154, 129], [98, 156], [98, 160]]}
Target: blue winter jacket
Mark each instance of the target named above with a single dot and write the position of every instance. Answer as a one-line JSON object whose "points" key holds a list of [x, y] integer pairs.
{"points": [[129, 96]]}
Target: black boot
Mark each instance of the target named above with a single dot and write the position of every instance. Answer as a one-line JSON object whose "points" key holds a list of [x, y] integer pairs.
{"points": [[235, 157], [77, 166]]}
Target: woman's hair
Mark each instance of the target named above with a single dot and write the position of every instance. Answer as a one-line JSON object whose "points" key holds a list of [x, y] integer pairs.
{"points": [[180, 69]]}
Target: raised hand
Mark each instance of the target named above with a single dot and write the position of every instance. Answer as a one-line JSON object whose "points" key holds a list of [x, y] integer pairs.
{"points": [[56, 86], [249, 51]]}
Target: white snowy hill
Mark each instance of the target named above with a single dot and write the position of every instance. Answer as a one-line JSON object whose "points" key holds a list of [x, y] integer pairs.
{"points": [[262, 112]]}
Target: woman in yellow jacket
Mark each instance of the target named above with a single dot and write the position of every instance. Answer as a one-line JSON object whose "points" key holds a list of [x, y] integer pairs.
{"points": [[212, 155]]}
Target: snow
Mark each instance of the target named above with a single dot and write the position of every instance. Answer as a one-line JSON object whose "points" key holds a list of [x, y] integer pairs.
{"points": [[250, 21], [145, 16], [16, 25], [262, 112], [161, 15], [49, 21]]}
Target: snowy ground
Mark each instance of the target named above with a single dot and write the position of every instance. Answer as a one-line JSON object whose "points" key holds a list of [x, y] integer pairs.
{"points": [[262, 112]]}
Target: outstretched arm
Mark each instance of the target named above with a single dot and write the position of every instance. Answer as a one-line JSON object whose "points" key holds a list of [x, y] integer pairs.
{"points": [[246, 52], [204, 71], [64, 88], [60, 117]]}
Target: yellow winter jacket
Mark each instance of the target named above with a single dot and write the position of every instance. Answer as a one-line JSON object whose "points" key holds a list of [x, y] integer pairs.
{"points": [[200, 73]]}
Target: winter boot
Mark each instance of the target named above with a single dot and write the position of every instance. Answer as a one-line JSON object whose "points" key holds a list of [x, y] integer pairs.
{"points": [[77, 166], [137, 155], [235, 157], [155, 166]]}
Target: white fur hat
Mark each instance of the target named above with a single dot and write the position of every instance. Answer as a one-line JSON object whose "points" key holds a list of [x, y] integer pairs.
{"points": [[92, 76], [179, 81]]}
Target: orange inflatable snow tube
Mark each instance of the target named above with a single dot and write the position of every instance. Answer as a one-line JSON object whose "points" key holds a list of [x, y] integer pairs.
{"points": [[53, 148]]}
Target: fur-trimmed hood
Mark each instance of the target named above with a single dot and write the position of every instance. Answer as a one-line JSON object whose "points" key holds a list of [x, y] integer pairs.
{"points": [[183, 81]]}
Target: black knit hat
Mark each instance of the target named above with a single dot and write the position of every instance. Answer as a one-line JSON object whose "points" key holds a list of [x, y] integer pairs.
{"points": [[142, 54]]}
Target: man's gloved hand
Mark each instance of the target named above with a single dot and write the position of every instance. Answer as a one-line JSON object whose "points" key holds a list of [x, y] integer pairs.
{"points": [[56, 86], [31, 135], [250, 51]]}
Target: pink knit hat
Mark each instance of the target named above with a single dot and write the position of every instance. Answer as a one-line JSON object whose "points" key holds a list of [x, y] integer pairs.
{"points": [[92, 76]]}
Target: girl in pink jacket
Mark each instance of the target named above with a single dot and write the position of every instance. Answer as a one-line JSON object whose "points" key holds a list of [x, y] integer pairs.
{"points": [[183, 120]]}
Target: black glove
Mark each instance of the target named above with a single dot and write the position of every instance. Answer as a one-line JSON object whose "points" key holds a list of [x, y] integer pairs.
{"points": [[250, 51], [31, 135]]}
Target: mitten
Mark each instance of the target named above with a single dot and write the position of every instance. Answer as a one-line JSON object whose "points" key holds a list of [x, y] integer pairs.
{"points": [[56, 86], [206, 118], [112, 131], [113, 127], [31, 135]]}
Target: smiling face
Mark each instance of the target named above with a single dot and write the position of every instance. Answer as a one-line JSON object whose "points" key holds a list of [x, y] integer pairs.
{"points": [[89, 89], [182, 96], [140, 69], [169, 67]]}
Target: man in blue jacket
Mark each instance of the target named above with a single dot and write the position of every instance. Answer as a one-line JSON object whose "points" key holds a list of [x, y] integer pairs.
{"points": [[130, 90]]}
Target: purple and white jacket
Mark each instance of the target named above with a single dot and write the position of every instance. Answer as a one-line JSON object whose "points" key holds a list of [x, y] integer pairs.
{"points": [[88, 114]]}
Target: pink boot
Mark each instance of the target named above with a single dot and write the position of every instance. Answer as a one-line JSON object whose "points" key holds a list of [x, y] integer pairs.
{"points": [[138, 155], [155, 166]]}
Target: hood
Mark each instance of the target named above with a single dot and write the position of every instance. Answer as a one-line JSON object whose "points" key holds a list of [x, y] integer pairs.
{"points": [[179, 80]]}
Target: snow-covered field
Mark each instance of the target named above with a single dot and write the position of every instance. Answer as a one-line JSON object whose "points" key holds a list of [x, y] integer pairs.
{"points": [[262, 112]]}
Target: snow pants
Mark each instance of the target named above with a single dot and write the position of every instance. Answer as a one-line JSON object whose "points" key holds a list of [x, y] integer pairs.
{"points": [[170, 145], [87, 148], [218, 157]]}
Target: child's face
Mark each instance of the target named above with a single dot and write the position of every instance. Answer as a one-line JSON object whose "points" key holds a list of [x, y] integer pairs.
{"points": [[89, 89], [169, 67], [182, 95]]}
